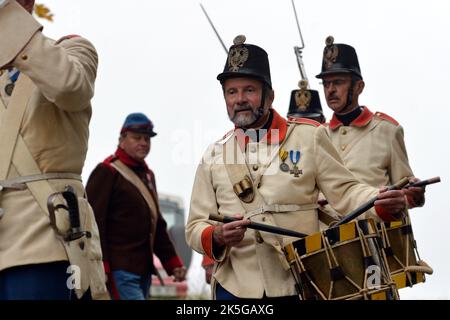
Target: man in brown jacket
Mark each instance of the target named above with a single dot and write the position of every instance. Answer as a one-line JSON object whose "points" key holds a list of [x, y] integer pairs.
{"points": [[45, 91], [242, 175], [122, 192]]}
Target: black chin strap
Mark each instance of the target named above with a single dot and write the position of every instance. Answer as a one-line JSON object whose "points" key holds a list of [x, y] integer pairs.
{"points": [[261, 107], [350, 94], [263, 101]]}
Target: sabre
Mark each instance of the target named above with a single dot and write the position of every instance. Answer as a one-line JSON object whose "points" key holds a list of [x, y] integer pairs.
{"points": [[259, 226], [402, 184], [214, 29]]}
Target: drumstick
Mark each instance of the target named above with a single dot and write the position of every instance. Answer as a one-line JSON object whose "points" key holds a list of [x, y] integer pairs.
{"points": [[258, 226], [423, 183], [402, 184]]}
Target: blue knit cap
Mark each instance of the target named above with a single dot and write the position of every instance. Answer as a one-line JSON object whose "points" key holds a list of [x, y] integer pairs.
{"points": [[138, 122]]}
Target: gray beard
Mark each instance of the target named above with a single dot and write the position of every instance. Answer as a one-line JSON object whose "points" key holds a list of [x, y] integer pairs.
{"points": [[242, 120]]}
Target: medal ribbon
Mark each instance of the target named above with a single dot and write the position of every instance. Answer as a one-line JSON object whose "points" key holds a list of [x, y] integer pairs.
{"points": [[295, 157], [283, 154], [14, 75]]}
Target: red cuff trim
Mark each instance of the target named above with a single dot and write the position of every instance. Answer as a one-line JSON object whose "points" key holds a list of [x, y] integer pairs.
{"points": [[113, 289], [174, 262], [110, 283], [207, 261], [384, 214], [411, 202], [106, 267], [207, 238]]}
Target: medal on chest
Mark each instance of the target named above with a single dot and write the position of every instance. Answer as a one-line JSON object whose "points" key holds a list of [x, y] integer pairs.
{"points": [[295, 158], [13, 76], [9, 88], [283, 154]]}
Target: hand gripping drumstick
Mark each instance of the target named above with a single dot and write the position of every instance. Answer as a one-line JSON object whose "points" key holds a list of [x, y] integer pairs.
{"points": [[402, 184], [258, 226]]}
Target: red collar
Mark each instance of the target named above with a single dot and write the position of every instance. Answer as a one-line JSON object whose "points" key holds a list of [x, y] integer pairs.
{"points": [[129, 161], [363, 119], [275, 134]]}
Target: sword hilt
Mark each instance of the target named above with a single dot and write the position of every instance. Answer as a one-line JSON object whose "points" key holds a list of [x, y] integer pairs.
{"points": [[72, 205], [71, 198]]}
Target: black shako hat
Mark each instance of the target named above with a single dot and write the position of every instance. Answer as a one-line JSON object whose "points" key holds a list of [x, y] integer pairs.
{"points": [[339, 58], [305, 103], [246, 60]]}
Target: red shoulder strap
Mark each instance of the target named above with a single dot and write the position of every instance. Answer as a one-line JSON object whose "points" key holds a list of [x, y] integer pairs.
{"points": [[70, 36], [386, 117], [304, 121]]}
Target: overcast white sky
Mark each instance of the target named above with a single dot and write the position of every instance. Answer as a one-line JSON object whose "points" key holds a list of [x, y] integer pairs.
{"points": [[162, 58]]}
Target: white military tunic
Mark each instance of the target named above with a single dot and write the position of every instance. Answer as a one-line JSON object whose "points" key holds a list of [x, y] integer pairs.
{"points": [[55, 128], [255, 266], [372, 148]]}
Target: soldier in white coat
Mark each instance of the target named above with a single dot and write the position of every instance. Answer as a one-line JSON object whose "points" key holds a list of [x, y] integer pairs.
{"points": [[45, 91], [268, 170], [371, 144]]}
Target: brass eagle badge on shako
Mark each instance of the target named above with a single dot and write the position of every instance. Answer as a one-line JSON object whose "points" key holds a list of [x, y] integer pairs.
{"points": [[238, 55], [330, 52], [303, 96]]}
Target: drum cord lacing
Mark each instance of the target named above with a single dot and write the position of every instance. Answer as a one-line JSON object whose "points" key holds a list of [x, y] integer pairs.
{"points": [[421, 266], [382, 261], [331, 256], [310, 282]]}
